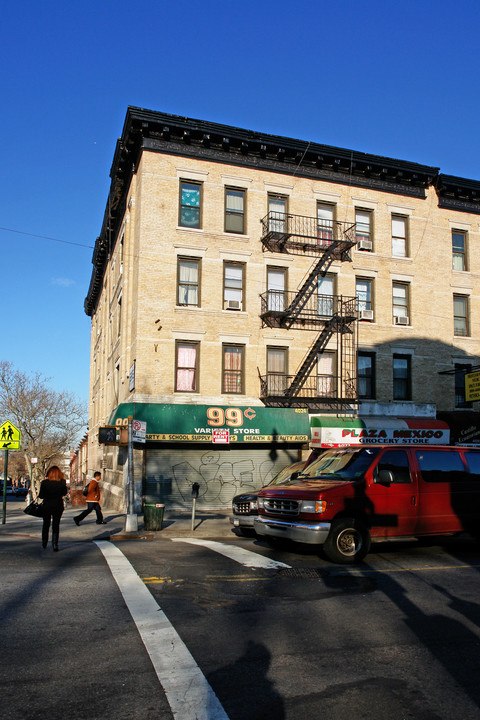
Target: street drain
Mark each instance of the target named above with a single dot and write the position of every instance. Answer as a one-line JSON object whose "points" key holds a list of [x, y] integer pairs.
{"points": [[304, 573]]}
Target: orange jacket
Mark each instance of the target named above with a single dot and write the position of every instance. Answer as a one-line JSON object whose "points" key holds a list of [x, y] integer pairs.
{"points": [[93, 492]]}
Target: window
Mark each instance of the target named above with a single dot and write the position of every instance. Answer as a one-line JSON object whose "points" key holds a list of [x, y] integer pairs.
{"points": [[363, 292], [459, 250], [233, 359], [363, 229], [396, 461], [277, 212], [460, 372], [366, 375], [400, 304], [460, 316], [119, 316], [186, 373], [234, 210], [399, 236], [402, 380], [233, 282], [326, 385], [276, 370], [441, 466], [325, 223], [190, 204], [188, 277], [325, 296], [276, 285]]}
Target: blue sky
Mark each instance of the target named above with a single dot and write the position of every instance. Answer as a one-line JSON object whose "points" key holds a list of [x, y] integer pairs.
{"points": [[389, 78]]}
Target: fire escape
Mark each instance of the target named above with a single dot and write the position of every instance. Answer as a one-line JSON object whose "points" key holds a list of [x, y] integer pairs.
{"points": [[332, 317]]}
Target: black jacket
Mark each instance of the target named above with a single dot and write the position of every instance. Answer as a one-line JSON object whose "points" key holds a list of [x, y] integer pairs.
{"points": [[52, 492]]}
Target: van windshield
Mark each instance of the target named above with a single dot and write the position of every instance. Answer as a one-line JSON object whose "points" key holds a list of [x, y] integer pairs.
{"points": [[345, 464], [284, 475]]}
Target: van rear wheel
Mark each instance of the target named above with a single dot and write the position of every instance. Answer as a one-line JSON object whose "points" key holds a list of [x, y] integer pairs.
{"points": [[348, 542]]}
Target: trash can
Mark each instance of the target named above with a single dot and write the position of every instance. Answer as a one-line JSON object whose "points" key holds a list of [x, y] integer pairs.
{"points": [[153, 516]]}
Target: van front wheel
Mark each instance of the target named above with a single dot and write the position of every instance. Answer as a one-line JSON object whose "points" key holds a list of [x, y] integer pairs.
{"points": [[348, 541]]}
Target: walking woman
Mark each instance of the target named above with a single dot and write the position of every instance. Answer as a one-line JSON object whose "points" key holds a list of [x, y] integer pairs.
{"points": [[52, 490]]}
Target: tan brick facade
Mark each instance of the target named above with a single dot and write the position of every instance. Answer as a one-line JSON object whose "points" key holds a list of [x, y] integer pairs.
{"points": [[137, 321]]}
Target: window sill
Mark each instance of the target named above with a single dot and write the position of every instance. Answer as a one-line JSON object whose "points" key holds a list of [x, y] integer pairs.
{"points": [[190, 229]]}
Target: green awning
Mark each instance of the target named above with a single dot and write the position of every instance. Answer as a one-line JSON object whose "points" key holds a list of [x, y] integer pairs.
{"points": [[216, 423]]}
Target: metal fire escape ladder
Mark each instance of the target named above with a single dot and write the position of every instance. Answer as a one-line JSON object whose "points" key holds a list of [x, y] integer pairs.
{"points": [[311, 357], [308, 287]]}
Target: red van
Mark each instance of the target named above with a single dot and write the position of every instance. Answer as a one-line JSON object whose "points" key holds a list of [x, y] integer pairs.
{"points": [[352, 495]]}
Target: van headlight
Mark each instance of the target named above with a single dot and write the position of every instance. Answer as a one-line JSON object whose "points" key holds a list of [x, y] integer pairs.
{"points": [[313, 506]]}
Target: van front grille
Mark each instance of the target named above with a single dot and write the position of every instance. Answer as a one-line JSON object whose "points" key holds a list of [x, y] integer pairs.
{"points": [[281, 506]]}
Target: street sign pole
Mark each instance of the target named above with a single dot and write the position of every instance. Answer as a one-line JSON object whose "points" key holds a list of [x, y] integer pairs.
{"points": [[4, 504], [131, 520]]}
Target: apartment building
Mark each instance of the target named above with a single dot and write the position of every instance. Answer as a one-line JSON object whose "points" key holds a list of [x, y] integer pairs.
{"points": [[243, 283]]}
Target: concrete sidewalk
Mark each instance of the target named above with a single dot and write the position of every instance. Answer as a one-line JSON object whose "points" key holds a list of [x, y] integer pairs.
{"points": [[175, 524]]}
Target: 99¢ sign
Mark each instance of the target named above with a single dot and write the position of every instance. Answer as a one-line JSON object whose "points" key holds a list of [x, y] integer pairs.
{"points": [[233, 417]]}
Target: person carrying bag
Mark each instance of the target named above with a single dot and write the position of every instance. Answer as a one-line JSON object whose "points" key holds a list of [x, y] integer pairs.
{"points": [[52, 491]]}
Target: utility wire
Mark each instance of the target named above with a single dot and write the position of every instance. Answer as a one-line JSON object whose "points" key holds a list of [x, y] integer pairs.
{"points": [[45, 237]]}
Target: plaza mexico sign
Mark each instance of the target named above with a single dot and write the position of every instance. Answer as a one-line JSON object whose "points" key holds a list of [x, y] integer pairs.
{"points": [[341, 432], [216, 423]]}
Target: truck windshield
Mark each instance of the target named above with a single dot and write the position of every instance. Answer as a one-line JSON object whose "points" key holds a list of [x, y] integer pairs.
{"points": [[345, 464]]}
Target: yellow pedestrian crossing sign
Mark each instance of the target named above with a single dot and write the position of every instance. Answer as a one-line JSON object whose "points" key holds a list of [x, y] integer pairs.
{"points": [[9, 436]]}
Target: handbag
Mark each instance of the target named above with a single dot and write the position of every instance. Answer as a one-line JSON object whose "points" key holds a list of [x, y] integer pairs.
{"points": [[85, 489], [35, 509]]}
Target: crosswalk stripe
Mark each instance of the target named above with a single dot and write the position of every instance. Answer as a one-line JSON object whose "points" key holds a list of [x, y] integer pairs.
{"points": [[186, 688], [247, 558]]}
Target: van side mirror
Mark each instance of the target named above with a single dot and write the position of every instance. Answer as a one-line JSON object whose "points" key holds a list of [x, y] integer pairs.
{"points": [[294, 475], [385, 477]]}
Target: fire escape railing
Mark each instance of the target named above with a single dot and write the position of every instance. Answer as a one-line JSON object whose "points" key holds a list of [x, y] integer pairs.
{"points": [[302, 235], [309, 309]]}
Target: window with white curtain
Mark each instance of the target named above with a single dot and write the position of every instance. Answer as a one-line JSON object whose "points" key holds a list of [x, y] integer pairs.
{"points": [[459, 250], [233, 369], [399, 236], [188, 281], [187, 367], [363, 225], [326, 374], [233, 284], [325, 223], [400, 300], [234, 210], [325, 296], [363, 291], [276, 282], [460, 316], [276, 370], [277, 210]]}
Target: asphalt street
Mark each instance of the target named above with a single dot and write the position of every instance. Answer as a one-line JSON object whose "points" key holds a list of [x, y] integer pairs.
{"points": [[120, 625]]}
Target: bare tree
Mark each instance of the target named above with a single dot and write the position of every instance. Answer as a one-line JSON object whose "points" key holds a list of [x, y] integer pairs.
{"points": [[50, 422]]}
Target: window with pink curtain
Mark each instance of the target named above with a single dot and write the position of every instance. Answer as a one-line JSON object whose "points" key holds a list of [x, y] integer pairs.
{"points": [[186, 367], [232, 369]]}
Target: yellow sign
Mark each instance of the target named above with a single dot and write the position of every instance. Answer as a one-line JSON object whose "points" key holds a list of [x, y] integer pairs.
{"points": [[472, 386], [9, 436]]}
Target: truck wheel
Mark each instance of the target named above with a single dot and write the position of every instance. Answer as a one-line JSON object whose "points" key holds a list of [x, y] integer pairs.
{"points": [[348, 542]]}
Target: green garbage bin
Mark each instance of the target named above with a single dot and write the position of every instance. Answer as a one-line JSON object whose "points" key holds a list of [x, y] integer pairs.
{"points": [[153, 516]]}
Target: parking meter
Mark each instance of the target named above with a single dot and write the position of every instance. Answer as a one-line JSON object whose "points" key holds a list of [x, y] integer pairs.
{"points": [[195, 489]]}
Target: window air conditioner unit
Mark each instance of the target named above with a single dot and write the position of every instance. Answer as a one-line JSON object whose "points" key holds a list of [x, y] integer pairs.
{"points": [[401, 320], [366, 315], [365, 245], [233, 305]]}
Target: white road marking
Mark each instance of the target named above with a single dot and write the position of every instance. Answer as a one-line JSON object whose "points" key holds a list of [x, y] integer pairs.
{"points": [[186, 688], [247, 558]]}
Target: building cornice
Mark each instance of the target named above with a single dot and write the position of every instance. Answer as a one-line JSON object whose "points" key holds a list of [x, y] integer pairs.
{"points": [[148, 130]]}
